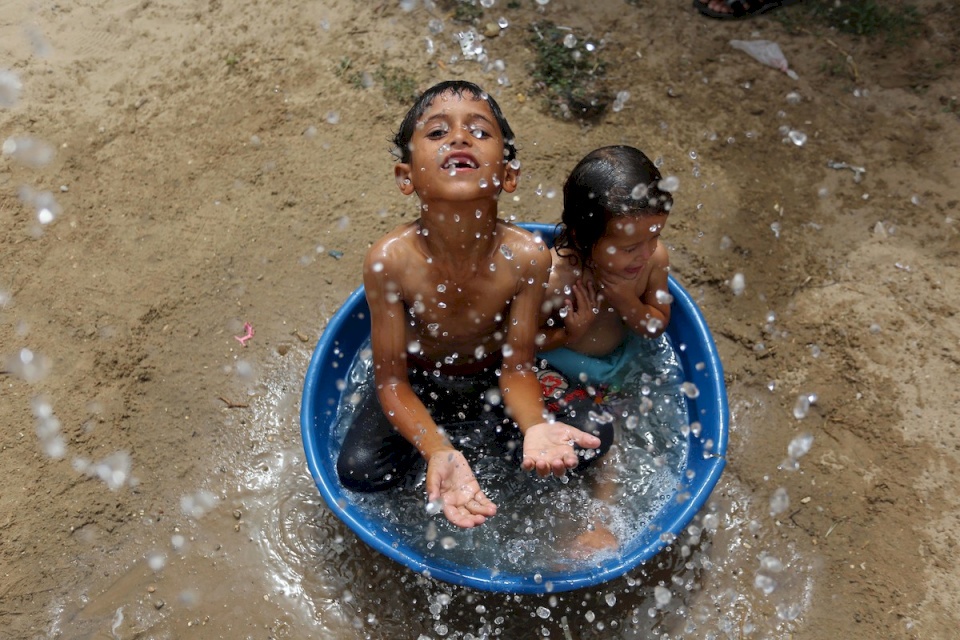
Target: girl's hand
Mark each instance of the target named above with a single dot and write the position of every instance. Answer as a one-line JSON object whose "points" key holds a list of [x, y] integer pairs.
{"points": [[581, 310], [617, 290]]}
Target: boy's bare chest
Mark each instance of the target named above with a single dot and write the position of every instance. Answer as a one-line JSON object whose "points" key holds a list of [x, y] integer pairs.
{"points": [[464, 307]]}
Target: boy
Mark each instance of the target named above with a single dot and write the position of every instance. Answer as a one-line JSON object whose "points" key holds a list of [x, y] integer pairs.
{"points": [[454, 300]]}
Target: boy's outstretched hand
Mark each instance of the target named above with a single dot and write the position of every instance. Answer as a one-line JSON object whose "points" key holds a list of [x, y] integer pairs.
{"points": [[548, 447], [451, 481]]}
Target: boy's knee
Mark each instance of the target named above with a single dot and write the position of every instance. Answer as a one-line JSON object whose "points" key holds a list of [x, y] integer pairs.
{"points": [[358, 473], [603, 431]]}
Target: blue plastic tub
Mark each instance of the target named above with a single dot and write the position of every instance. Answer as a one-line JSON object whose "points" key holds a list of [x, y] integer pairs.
{"points": [[339, 344]]}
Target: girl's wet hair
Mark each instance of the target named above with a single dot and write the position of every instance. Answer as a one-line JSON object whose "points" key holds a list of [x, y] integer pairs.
{"points": [[401, 140], [608, 182]]}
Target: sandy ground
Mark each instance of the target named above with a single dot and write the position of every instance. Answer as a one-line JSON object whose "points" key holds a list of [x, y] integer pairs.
{"points": [[213, 166]]}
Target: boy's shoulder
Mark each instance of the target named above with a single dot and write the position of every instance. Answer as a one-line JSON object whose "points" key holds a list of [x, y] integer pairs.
{"points": [[518, 238], [394, 244]]}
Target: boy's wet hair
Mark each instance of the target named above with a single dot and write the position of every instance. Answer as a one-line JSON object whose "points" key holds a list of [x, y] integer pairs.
{"points": [[401, 139], [609, 182]]}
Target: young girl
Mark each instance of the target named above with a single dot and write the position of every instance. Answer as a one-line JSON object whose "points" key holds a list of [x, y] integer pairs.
{"points": [[607, 293], [608, 286]]}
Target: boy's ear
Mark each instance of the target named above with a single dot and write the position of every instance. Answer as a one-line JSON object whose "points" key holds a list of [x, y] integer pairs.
{"points": [[401, 172], [511, 178]]}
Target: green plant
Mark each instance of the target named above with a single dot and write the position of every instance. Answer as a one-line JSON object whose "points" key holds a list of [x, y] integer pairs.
{"points": [[346, 72], [897, 21], [950, 105], [398, 85], [570, 75]]}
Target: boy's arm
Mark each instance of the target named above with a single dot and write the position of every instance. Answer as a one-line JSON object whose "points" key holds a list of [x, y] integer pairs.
{"points": [[388, 337], [548, 445], [449, 477], [642, 311]]}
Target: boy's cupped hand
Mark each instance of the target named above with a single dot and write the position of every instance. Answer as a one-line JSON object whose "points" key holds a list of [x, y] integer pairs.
{"points": [[451, 482], [548, 447]]}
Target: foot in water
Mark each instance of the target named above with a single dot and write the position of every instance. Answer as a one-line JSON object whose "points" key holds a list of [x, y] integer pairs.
{"points": [[597, 539]]}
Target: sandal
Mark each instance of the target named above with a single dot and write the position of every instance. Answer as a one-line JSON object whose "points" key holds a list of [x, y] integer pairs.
{"points": [[740, 9]]}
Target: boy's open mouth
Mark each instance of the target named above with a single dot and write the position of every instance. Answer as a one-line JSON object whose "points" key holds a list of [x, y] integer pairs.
{"points": [[459, 161]]}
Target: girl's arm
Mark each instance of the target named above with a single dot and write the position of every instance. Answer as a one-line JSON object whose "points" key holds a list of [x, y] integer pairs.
{"points": [[580, 312], [645, 312]]}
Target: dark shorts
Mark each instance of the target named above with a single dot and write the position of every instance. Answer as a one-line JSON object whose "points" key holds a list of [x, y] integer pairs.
{"points": [[374, 456]]}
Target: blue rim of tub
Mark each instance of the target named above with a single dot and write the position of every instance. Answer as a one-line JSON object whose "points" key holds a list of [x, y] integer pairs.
{"points": [[350, 327]]}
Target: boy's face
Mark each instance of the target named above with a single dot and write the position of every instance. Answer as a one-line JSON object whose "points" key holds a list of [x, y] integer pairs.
{"points": [[456, 153], [628, 243]]}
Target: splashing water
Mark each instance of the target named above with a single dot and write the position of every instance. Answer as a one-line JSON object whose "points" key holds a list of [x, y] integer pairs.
{"points": [[802, 407], [670, 184], [30, 152], [738, 284], [10, 87], [29, 366], [538, 518], [114, 470], [798, 138]]}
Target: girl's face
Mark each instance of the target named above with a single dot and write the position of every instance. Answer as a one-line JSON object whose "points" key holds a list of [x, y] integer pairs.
{"points": [[627, 244]]}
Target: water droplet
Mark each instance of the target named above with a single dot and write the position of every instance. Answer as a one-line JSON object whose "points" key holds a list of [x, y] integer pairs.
{"points": [[779, 501], [31, 152], [775, 227], [506, 251], [794, 98], [662, 596], [448, 542], [798, 138], [332, 117], [802, 407], [664, 297], [669, 184], [765, 583], [800, 446], [737, 284], [570, 41], [690, 390], [639, 192], [10, 87], [610, 599]]}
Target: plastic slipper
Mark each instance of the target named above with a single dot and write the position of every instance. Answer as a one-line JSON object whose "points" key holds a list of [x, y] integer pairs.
{"points": [[741, 8]]}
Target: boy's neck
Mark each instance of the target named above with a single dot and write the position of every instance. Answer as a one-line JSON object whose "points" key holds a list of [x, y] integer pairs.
{"points": [[460, 228]]}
